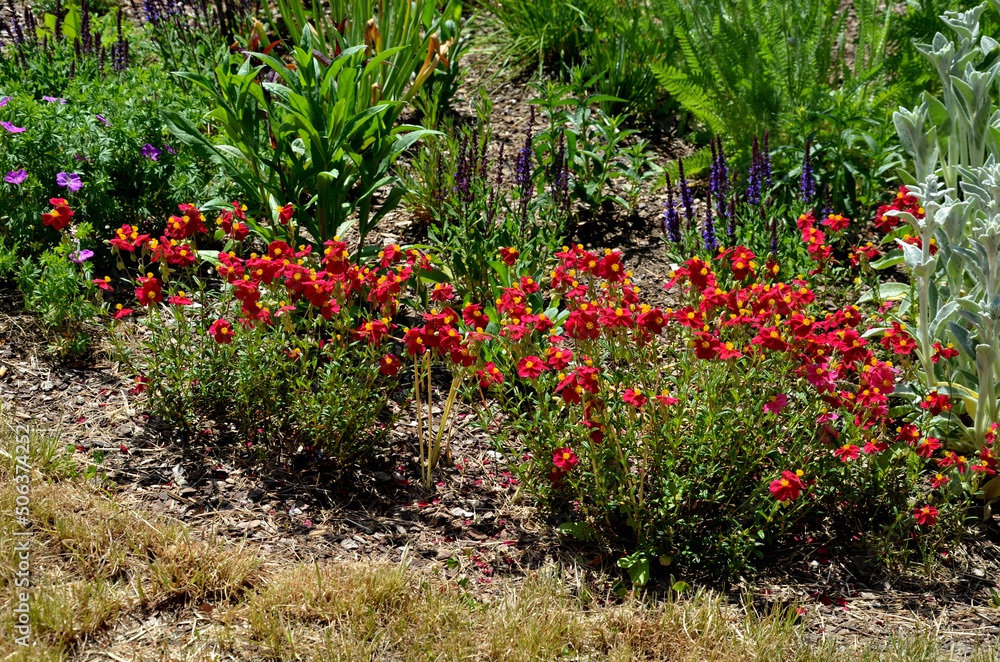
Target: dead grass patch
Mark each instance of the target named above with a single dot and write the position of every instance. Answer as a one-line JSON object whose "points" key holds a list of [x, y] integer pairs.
{"points": [[99, 569]]}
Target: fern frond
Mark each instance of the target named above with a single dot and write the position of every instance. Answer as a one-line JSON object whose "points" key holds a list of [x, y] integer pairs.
{"points": [[695, 98]]}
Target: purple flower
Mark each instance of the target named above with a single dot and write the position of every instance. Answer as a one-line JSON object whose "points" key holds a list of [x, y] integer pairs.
{"points": [[103, 121], [3, 101], [150, 152], [756, 174], [766, 161], [54, 100], [69, 180], [13, 129], [81, 256], [16, 176], [170, 149], [672, 223], [808, 185], [708, 232]]}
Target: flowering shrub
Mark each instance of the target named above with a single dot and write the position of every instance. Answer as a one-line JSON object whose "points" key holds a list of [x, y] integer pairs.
{"points": [[77, 122], [765, 415], [57, 286], [293, 346]]}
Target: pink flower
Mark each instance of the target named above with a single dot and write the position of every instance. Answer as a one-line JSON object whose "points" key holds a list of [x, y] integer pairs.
{"points": [[926, 515], [530, 367], [788, 487], [847, 452], [565, 459], [666, 400], [826, 417], [776, 404], [634, 397]]}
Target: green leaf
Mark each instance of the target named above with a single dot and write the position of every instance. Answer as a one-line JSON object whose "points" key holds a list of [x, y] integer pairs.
{"points": [[579, 530], [433, 275], [887, 292], [637, 567]]}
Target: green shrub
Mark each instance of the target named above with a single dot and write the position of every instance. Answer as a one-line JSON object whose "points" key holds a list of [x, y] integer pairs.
{"points": [[109, 132], [281, 350], [745, 64], [759, 419], [58, 290]]}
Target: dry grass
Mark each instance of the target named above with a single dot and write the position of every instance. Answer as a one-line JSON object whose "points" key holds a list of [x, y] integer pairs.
{"points": [[102, 573]]}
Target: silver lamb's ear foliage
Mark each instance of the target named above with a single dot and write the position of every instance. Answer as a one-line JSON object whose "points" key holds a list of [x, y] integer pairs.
{"points": [[954, 141], [965, 23], [981, 187], [965, 115], [918, 141]]}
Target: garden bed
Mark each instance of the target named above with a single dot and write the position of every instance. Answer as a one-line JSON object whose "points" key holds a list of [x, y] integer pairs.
{"points": [[731, 315]]}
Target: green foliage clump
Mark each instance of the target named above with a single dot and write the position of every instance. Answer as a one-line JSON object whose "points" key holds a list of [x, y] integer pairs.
{"points": [[84, 115]]}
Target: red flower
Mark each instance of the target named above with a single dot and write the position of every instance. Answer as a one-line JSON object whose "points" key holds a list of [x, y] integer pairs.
{"points": [[875, 446], [565, 459], [182, 227], [104, 283], [493, 373], [772, 268], [776, 404], [908, 433], [926, 515], [611, 267], [946, 352], [927, 447], [728, 350], [558, 358], [285, 213], [127, 238], [788, 487], [836, 222], [770, 337], [222, 331], [634, 397], [652, 320], [706, 346], [666, 400], [442, 293], [953, 459], [616, 318], [741, 262], [938, 480], [582, 324], [122, 312], [373, 330], [415, 341], [180, 299], [847, 452], [530, 367], [59, 216], [509, 255], [389, 365], [936, 403], [699, 273], [149, 290], [690, 318], [141, 381]]}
